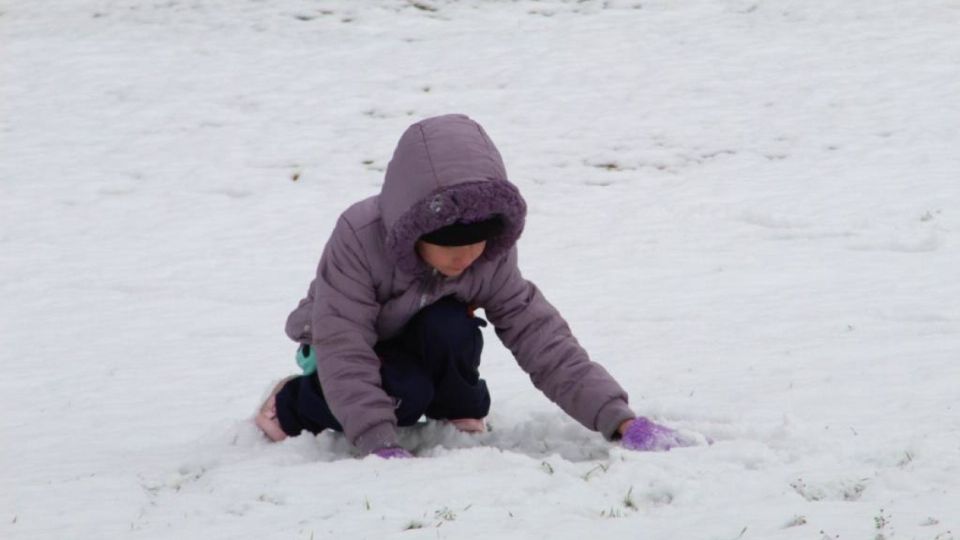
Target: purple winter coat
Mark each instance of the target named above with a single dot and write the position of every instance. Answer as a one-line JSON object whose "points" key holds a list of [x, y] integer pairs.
{"points": [[370, 282]]}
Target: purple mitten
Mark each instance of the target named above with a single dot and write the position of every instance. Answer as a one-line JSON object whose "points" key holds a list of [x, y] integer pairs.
{"points": [[392, 452], [646, 436]]}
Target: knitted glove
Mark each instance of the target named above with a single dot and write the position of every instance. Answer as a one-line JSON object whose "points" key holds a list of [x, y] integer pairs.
{"points": [[646, 436], [391, 452]]}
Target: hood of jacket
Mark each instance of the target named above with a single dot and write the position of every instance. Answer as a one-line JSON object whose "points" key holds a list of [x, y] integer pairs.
{"points": [[445, 170]]}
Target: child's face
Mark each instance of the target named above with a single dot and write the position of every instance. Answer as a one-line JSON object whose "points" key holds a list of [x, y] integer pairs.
{"points": [[450, 261]]}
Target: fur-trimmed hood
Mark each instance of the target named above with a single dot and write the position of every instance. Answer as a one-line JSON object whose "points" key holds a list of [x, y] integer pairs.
{"points": [[446, 169]]}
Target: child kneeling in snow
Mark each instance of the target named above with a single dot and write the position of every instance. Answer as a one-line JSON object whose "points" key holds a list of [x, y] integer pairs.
{"points": [[388, 321]]}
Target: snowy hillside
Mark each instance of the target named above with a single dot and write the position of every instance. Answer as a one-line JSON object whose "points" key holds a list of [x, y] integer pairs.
{"points": [[748, 211]]}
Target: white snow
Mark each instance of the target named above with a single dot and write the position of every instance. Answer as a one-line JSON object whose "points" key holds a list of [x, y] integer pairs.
{"points": [[748, 212]]}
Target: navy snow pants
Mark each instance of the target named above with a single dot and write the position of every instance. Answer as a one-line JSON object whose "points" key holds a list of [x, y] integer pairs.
{"points": [[430, 369]]}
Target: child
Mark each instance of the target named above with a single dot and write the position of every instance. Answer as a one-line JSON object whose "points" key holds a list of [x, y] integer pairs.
{"points": [[389, 322]]}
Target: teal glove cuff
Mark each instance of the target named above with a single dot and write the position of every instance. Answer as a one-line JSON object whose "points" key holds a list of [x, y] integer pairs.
{"points": [[307, 359]]}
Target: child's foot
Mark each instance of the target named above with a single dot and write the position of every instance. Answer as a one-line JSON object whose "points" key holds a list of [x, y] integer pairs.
{"points": [[469, 425], [266, 419]]}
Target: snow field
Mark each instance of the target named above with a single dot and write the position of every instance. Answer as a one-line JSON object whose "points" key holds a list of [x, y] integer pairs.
{"points": [[745, 210]]}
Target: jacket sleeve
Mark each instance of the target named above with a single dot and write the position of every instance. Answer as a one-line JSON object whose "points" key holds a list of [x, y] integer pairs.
{"points": [[543, 345], [343, 321]]}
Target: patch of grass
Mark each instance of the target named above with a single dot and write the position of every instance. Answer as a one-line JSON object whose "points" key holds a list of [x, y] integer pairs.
{"points": [[610, 166], [445, 514], [413, 525], [599, 468], [796, 522], [613, 513], [801, 488], [853, 492], [423, 6], [628, 500], [881, 522]]}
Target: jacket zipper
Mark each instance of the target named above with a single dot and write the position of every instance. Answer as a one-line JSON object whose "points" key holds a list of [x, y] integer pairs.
{"points": [[428, 288]]}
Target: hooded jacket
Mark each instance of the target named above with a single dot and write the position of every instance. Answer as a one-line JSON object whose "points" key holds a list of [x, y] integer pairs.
{"points": [[370, 282]]}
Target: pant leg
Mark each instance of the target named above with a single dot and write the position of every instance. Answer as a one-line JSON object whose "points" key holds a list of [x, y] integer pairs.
{"points": [[404, 379], [302, 406], [445, 339]]}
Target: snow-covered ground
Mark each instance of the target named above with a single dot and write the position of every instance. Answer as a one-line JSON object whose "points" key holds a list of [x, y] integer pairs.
{"points": [[749, 211]]}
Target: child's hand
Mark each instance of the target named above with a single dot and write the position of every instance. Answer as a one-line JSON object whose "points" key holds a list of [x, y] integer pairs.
{"points": [[392, 452], [643, 435]]}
